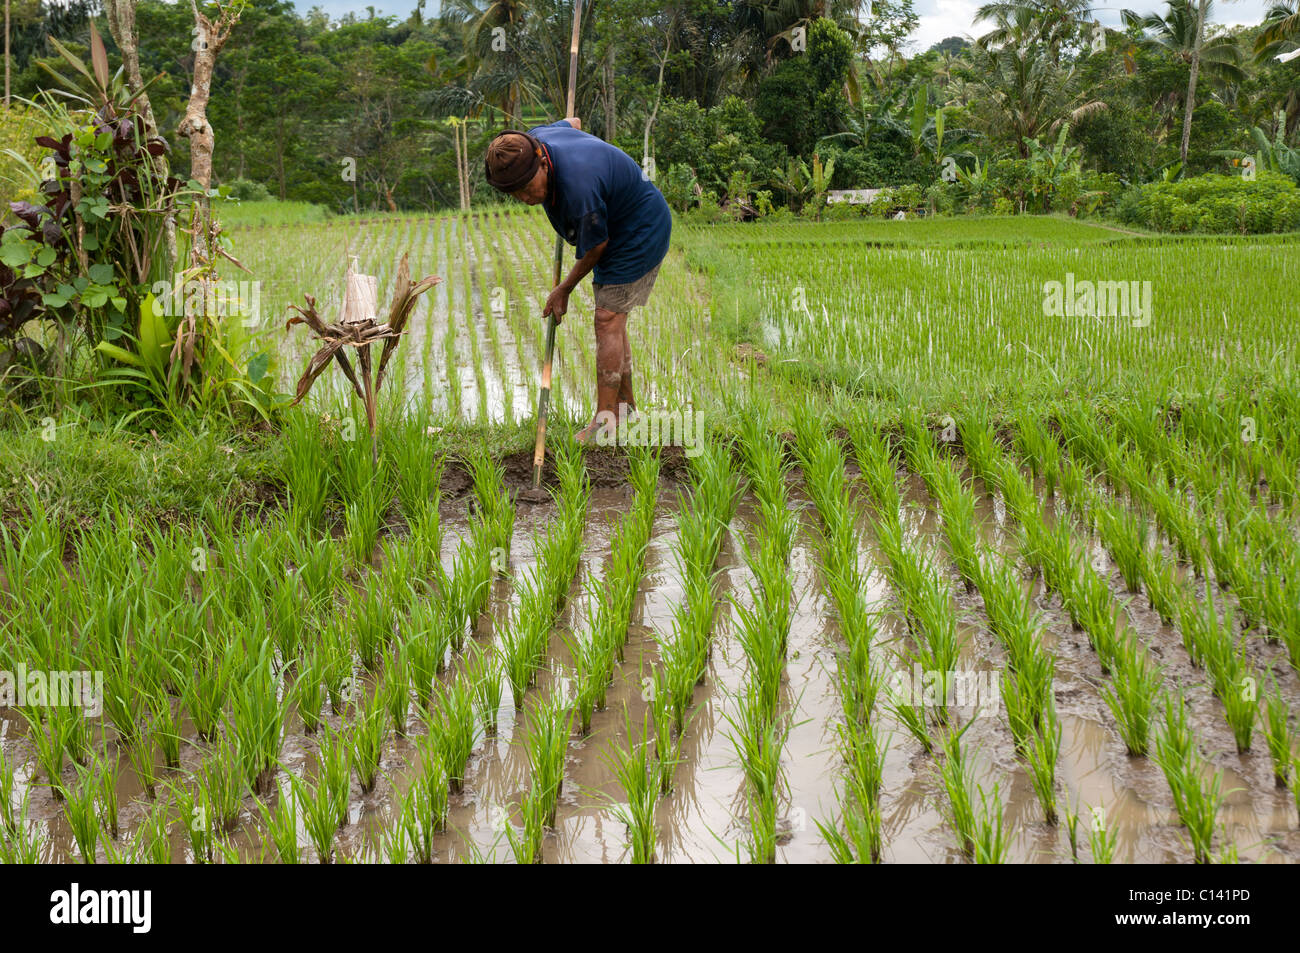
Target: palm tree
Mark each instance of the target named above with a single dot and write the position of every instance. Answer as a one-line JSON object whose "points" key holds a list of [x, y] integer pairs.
{"points": [[1055, 23], [490, 25], [1281, 25], [1281, 28], [1180, 34], [1030, 94]]}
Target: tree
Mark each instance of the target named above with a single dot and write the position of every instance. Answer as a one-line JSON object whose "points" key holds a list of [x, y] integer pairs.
{"points": [[1026, 94], [1189, 106], [804, 100]]}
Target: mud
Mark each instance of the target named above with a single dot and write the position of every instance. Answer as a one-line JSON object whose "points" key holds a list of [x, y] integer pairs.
{"points": [[703, 819]]}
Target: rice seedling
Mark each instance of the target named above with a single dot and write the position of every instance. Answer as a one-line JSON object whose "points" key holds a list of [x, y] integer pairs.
{"points": [[483, 669], [404, 837], [257, 722], [764, 653], [80, 809], [547, 741], [8, 821], [1241, 705], [496, 508], [308, 691], [415, 459], [22, 844], [860, 842], [1277, 732], [319, 816], [49, 729], [456, 727], [527, 845], [1040, 756], [1164, 589], [337, 666], [366, 736], [108, 772], [152, 844], [204, 694], [428, 639], [1131, 694], [1101, 838], [372, 618], [334, 775], [316, 563], [1072, 830], [878, 468], [395, 689], [958, 782], [221, 779], [991, 840], [281, 825], [1124, 533], [307, 480], [637, 777]]}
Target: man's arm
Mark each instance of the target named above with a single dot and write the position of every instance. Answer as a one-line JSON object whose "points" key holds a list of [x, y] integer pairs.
{"points": [[557, 302]]}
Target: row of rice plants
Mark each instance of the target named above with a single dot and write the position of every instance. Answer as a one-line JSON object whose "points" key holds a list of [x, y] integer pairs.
{"points": [[760, 727], [856, 836], [975, 814], [1254, 552], [1211, 640], [1027, 686], [544, 589], [1136, 693], [646, 763]]}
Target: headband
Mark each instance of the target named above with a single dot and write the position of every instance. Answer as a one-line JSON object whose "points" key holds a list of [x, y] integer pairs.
{"points": [[517, 165]]}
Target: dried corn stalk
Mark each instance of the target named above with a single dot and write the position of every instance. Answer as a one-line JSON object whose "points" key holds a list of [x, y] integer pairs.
{"points": [[358, 328]]}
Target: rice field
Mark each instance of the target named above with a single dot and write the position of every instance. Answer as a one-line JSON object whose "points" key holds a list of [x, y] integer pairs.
{"points": [[943, 577]]}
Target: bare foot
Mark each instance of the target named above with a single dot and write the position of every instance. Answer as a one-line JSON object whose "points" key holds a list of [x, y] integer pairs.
{"points": [[601, 431]]}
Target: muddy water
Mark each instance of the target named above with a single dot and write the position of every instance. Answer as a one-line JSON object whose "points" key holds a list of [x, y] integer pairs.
{"points": [[704, 817]]}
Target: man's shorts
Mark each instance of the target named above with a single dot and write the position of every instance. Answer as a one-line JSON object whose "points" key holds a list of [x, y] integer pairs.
{"points": [[623, 298]]}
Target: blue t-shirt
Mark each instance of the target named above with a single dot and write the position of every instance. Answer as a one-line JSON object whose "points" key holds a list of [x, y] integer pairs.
{"points": [[599, 194]]}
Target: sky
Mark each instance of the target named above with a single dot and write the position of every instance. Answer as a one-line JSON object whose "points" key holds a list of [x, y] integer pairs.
{"points": [[938, 18]]}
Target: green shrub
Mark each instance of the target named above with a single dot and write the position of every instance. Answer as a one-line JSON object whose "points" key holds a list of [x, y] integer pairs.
{"points": [[246, 190], [1216, 203]]}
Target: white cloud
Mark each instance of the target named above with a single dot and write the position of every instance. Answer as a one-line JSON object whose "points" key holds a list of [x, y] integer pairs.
{"points": [[944, 18]]}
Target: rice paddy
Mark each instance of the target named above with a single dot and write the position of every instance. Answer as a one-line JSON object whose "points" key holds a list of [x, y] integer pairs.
{"points": [[941, 578]]}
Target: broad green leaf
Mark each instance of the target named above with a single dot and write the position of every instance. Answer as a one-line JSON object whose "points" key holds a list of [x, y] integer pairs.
{"points": [[15, 255], [101, 274], [155, 341], [119, 354], [257, 366], [45, 257]]}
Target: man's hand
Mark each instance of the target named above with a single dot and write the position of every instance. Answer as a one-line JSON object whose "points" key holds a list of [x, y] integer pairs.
{"points": [[575, 122], [557, 302]]}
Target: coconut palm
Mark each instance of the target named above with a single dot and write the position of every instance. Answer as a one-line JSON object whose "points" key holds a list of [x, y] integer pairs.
{"points": [[1055, 23], [1281, 28], [1023, 93], [1175, 35]]}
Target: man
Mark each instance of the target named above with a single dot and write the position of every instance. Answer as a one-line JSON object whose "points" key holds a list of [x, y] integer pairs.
{"points": [[597, 199]]}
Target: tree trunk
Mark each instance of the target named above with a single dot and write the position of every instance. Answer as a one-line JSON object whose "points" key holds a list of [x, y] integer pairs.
{"points": [[611, 113], [121, 25], [1190, 105], [659, 91], [210, 38]]}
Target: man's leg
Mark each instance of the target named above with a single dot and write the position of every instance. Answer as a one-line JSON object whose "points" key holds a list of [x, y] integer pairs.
{"points": [[611, 345], [626, 402]]}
